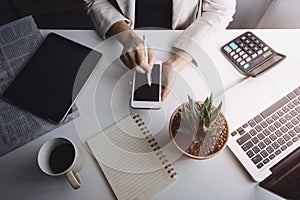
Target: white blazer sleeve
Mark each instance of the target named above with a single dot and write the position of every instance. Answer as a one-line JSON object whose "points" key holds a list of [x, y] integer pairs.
{"points": [[103, 15], [216, 16]]}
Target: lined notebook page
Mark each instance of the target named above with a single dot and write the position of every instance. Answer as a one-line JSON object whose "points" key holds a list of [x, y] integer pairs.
{"points": [[125, 153]]}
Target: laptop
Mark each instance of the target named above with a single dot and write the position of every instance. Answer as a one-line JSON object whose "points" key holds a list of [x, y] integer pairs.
{"points": [[264, 115]]}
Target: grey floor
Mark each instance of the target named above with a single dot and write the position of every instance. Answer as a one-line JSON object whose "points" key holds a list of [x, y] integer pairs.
{"points": [[48, 14]]}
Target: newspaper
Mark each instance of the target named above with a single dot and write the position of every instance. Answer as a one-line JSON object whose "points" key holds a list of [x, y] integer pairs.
{"points": [[18, 41]]}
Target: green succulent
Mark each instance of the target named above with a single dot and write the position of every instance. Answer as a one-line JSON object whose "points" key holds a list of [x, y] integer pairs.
{"points": [[195, 119]]}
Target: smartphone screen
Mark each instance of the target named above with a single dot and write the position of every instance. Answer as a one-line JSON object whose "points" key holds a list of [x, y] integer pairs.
{"points": [[144, 92], [143, 95]]}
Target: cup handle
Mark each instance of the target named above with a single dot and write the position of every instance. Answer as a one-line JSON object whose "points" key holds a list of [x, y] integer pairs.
{"points": [[74, 179]]}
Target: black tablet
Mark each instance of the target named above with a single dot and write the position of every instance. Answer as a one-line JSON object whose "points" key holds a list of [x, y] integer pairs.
{"points": [[50, 81]]}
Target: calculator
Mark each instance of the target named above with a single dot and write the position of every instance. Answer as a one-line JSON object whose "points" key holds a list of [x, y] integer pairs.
{"points": [[250, 55]]}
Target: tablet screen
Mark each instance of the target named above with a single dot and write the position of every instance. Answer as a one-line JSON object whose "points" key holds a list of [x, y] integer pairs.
{"points": [[52, 78]]}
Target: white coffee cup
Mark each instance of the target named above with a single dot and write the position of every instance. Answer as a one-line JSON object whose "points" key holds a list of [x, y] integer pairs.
{"points": [[61, 157]]}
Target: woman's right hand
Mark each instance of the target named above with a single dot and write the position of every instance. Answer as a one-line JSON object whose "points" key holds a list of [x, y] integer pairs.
{"points": [[133, 55]]}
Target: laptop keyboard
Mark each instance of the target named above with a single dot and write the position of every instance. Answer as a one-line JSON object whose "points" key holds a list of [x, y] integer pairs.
{"points": [[272, 131]]}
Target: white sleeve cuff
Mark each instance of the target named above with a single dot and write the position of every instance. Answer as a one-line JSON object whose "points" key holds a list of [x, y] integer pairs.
{"points": [[103, 16]]}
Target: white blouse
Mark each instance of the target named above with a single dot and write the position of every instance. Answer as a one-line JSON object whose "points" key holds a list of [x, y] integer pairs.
{"points": [[201, 20]]}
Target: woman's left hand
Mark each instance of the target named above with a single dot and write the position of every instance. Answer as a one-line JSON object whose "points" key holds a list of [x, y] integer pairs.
{"points": [[171, 69]]}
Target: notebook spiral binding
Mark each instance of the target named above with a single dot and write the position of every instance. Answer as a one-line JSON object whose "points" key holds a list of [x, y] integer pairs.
{"points": [[154, 145]]}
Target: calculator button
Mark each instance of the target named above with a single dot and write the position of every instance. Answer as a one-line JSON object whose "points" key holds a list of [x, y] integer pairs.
{"points": [[248, 34], [242, 53], [238, 41], [242, 44], [245, 56], [238, 50], [227, 49], [259, 52], [261, 45], [250, 52], [235, 56], [246, 48], [255, 48], [251, 45], [239, 59], [248, 59], [242, 63], [256, 41], [252, 38], [246, 66], [232, 53], [233, 46], [243, 37], [254, 55], [247, 41], [265, 48]]}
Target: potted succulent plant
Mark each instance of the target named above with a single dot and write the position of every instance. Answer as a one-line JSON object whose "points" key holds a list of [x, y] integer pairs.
{"points": [[199, 129]]}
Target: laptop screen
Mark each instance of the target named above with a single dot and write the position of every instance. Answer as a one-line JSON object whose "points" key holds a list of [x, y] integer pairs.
{"points": [[285, 178]]}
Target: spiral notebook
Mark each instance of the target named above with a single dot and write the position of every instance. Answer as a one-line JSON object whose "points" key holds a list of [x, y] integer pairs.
{"points": [[131, 160]]}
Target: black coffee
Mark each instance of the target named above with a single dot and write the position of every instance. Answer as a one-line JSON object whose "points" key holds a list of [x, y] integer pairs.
{"points": [[61, 157]]}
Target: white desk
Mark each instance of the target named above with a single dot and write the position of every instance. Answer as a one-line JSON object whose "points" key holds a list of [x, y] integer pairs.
{"points": [[221, 177]]}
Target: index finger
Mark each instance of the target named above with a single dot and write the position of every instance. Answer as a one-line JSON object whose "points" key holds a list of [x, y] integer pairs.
{"points": [[151, 59], [141, 60]]}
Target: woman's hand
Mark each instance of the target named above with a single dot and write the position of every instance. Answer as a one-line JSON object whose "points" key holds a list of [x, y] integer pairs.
{"points": [[133, 55], [171, 69]]}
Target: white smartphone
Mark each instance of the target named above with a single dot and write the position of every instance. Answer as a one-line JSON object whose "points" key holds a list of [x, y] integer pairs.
{"points": [[143, 95]]}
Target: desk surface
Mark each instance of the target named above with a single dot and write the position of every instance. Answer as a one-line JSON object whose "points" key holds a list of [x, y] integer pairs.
{"points": [[217, 178]]}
